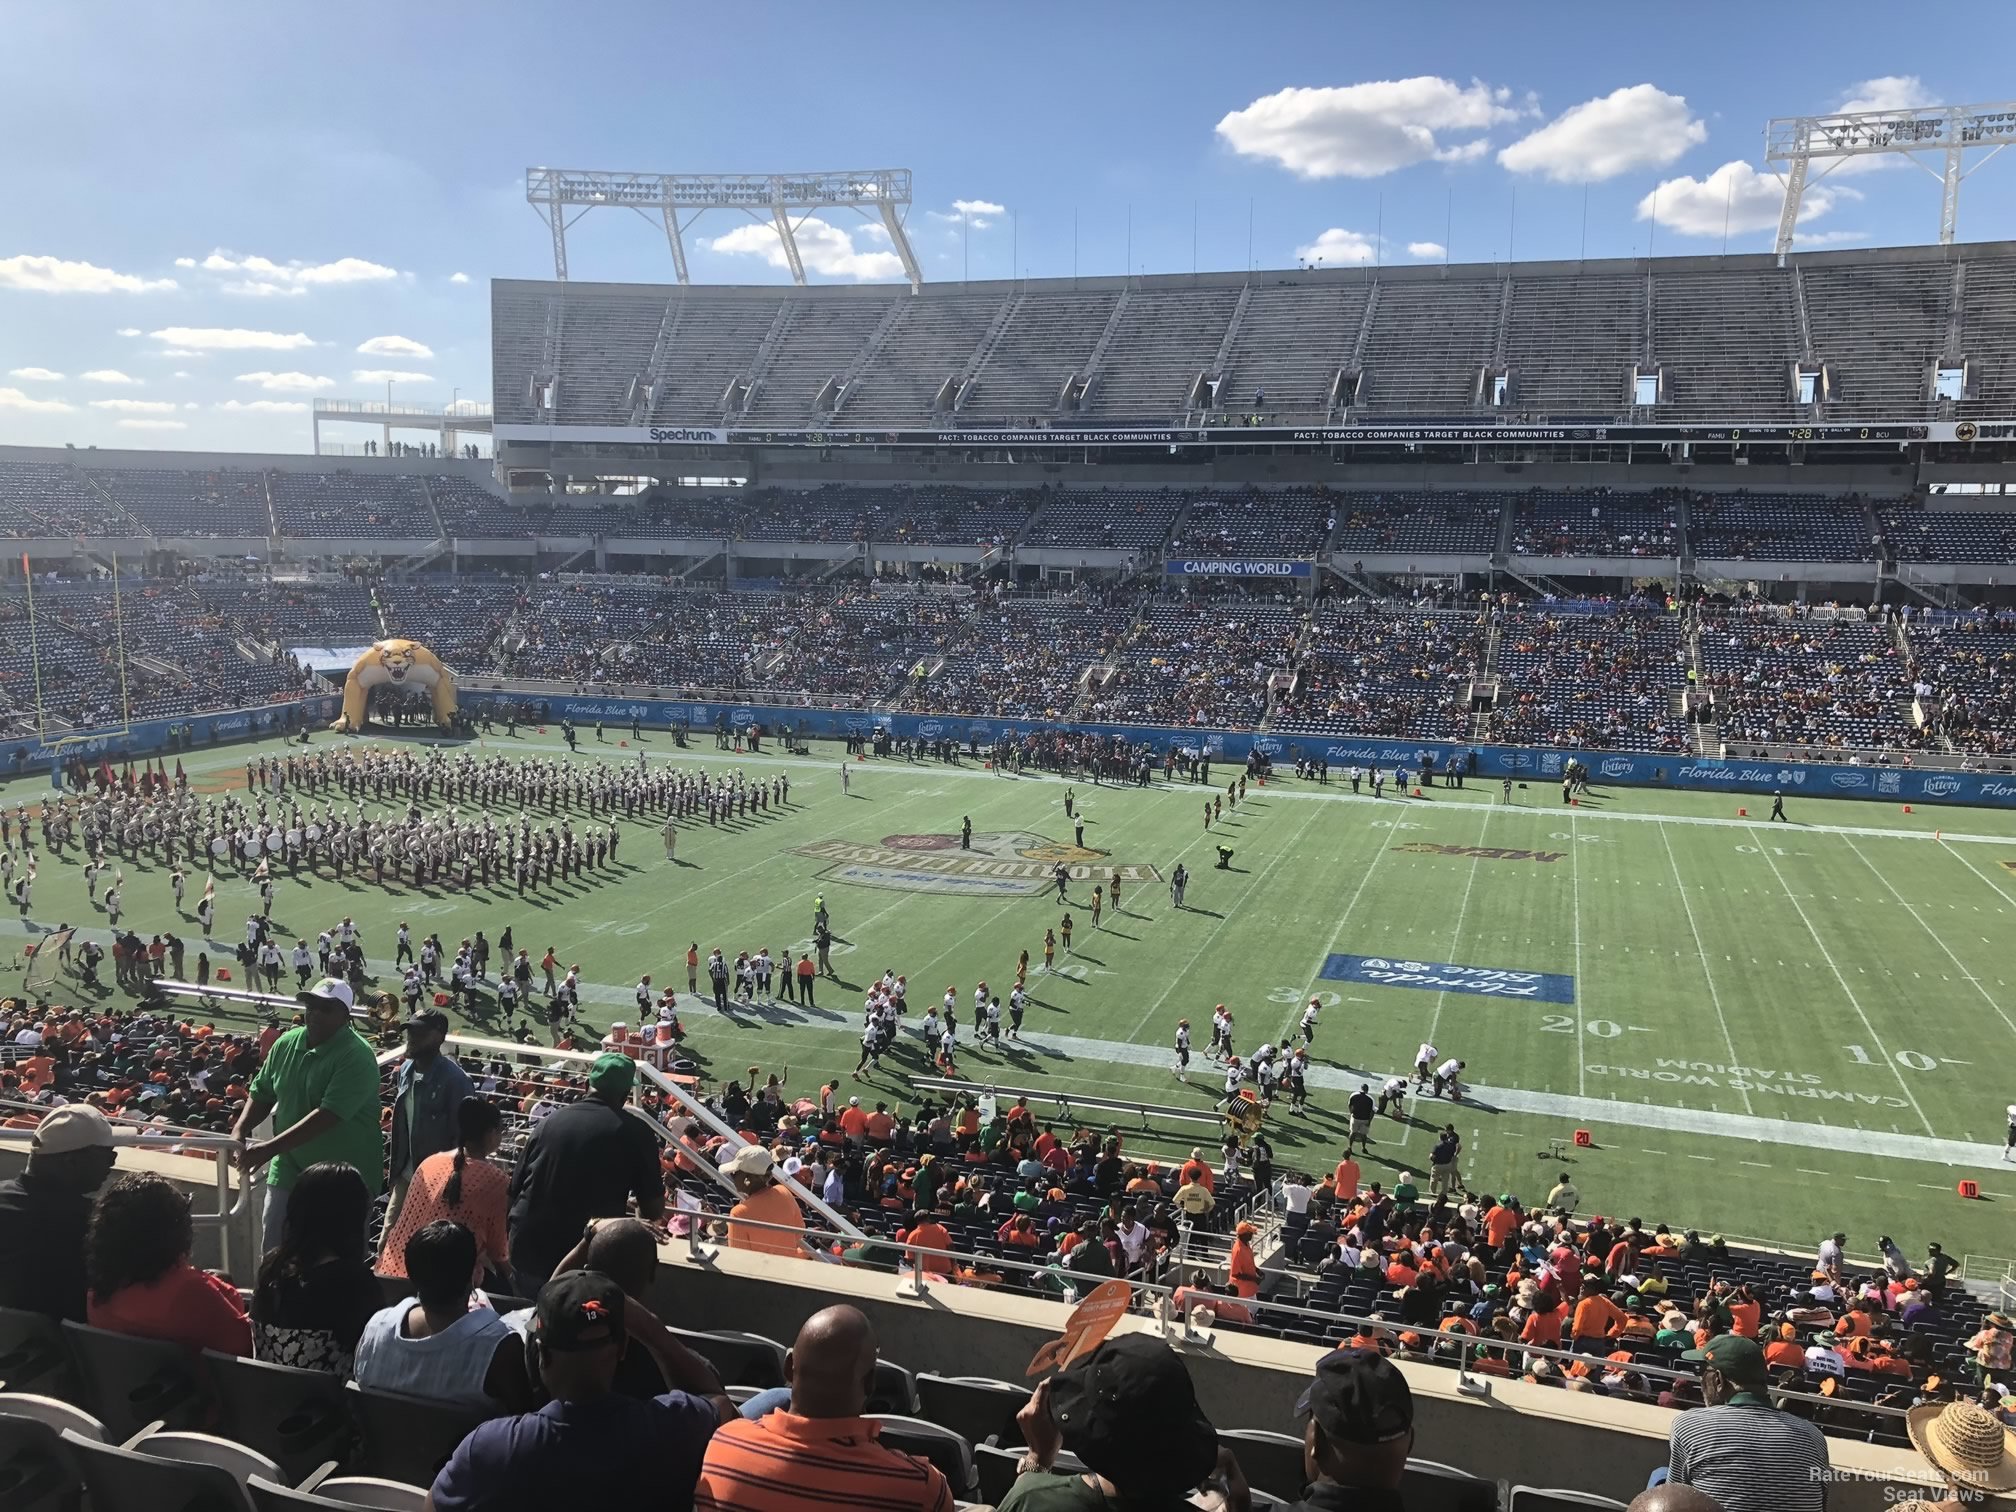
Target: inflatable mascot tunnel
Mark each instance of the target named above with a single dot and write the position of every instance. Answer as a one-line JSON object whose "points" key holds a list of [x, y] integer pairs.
{"points": [[397, 664]]}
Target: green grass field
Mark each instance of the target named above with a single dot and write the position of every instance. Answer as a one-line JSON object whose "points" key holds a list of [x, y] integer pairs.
{"points": [[1774, 1030]]}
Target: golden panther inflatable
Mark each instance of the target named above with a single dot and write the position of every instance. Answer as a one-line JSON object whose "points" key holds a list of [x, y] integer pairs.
{"points": [[397, 664]]}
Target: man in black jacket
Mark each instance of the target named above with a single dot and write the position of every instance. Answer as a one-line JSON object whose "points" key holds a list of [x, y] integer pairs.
{"points": [[45, 1210]]}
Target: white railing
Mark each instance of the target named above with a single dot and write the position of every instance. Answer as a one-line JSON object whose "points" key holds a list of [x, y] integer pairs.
{"points": [[234, 1215], [461, 409], [577, 1062]]}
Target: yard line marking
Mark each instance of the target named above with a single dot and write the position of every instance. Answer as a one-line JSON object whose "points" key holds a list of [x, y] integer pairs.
{"points": [[1880, 1180], [1700, 1157], [1765, 1166], [1853, 1002], [1804, 1171], [1992, 883], [1714, 996], [1936, 940], [1575, 879], [1378, 854], [1662, 1152], [1456, 937], [1211, 934]]}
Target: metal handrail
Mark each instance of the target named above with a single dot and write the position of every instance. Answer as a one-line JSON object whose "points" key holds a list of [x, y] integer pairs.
{"points": [[235, 1218], [667, 1089], [1183, 1323]]}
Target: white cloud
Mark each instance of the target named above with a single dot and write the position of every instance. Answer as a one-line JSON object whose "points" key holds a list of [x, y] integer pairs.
{"points": [[394, 346], [1636, 127], [1338, 246], [178, 373], [1891, 92], [265, 407], [185, 262], [977, 213], [135, 406], [1428, 251], [231, 338], [180, 352], [127, 331], [1750, 200], [1827, 238], [192, 404], [825, 248], [252, 290], [14, 399], [261, 276], [288, 383], [56, 275], [389, 375], [36, 375], [1365, 130], [158, 425], [110, 375], [458, 278]]}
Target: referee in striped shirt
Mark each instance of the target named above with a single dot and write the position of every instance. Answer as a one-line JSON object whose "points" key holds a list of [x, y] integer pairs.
{"points": [[1739, 1449]]}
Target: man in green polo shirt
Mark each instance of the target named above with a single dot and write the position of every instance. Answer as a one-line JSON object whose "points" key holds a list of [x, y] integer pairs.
{"points": [[320, 1084]]}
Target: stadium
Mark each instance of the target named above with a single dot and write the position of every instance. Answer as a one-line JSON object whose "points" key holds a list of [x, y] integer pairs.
{"points": [[1459, 813]]}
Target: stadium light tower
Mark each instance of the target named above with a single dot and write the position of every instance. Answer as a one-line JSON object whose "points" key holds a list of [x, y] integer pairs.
{"points": [[1794, 143], [766, 198]]}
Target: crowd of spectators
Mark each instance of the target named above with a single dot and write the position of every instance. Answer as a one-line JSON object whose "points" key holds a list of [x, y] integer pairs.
{"points": [[1968, 663], [1375, 670], [1597, 522], [1601, 681], [1814, 683], [1757, 1354], [1203, 660]]}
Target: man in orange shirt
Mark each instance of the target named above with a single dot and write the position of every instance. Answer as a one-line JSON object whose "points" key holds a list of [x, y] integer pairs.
{"points": [[763, 1201], [1543, 1328], [1196, 1169], [929, 1234], [1597, 1319], [1348, 1174], [821, 1449], [880, 1124], [1242, 1271], [854, 1122], [1785, 1351], [1501, 1226]]}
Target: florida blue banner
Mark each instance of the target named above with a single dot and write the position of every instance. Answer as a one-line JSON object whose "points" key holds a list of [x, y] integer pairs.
{"points": [[1238, 567], [1440, 976]]}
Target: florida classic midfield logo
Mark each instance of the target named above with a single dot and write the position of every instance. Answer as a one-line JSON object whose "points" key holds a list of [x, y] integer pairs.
{"points": [[1014, 864]]}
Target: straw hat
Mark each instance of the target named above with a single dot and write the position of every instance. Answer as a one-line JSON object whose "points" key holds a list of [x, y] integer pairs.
{"points": [[1965, 1443]]}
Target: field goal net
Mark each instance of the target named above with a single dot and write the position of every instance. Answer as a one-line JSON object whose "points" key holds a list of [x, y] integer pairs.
{"points": [[45, 956]]}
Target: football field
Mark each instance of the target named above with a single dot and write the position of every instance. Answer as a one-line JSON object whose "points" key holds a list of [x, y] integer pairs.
{"points": [[1768, 1030]]}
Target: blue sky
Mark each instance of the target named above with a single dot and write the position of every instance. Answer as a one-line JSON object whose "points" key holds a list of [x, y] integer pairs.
{"points": [[215, 213]]}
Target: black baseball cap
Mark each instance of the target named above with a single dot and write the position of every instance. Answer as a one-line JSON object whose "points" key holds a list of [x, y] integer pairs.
{"points": [[578, 1310], [1129, 1412], [1359, 1397], [428, 1018]]}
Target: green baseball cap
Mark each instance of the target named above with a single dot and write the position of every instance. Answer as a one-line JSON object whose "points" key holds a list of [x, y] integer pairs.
{"points": [[613, 1075], [1736, 1357]]}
